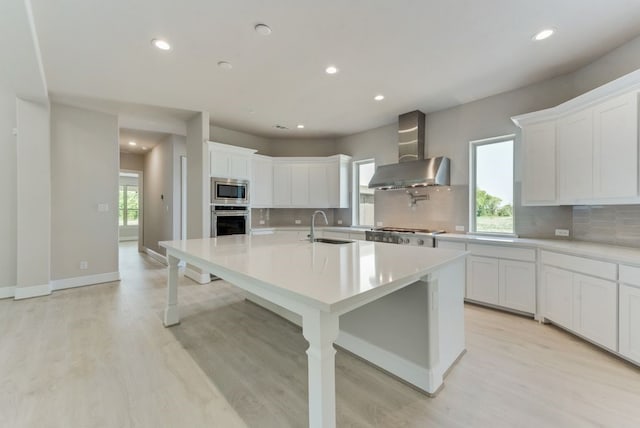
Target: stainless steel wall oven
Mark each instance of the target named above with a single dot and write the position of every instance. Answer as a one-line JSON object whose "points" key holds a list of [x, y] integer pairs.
{"points": [[229, 220]]}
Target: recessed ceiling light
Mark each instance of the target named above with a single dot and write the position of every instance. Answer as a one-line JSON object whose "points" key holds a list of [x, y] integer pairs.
{"points": [[161, 44], [144, 148], [300, 126], [262, 29], [379, 97], [132, 143], [331, 69], [225, 65], [544, 34]]}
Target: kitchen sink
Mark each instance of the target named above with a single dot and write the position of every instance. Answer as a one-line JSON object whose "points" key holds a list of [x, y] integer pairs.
{"points": [[332, 241]]}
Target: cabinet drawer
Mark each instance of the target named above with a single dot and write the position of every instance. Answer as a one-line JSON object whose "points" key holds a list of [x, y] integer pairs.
{"points": [[630, 275], [448, 245], [580, 264], [513, 253]]}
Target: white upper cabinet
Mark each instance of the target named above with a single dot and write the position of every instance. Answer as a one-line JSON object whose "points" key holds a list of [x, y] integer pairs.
{"points": [[281, 185], [227, 161], [615, 148], [311, 182], [539, 164], [584, 151], [261, 190], [575, 157]]}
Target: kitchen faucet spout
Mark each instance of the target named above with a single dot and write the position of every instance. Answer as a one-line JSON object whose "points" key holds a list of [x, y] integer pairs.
{"points": [[312, 232]]}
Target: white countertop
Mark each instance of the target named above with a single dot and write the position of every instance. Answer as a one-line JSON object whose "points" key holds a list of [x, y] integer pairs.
{"points": [[344, 229], [323, 274], [611, 253]]}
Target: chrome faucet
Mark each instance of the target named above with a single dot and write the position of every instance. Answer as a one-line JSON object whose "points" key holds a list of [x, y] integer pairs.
{"points": [[312, 234]]}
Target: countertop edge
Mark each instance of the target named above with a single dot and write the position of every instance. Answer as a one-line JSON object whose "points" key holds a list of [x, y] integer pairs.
{"points": [[605, 252]]}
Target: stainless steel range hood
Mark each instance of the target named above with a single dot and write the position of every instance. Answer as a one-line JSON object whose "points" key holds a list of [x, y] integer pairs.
{"points": [[412, 170]]}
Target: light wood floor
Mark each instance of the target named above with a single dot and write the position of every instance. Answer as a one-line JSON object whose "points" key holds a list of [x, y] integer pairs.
{"points": [[99, 357]]}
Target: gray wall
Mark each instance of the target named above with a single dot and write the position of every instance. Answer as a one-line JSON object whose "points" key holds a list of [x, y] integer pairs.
{"points": [[84, 169], [241, 139], [8, 188], [161, 195], [131, 161], [33, 198]]}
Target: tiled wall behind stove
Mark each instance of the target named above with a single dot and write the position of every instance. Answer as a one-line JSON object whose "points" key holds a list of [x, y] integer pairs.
{"points": [[283, 217], [612, 224]]}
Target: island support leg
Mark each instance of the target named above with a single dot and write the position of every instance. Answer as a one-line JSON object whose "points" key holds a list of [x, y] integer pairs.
{"points": [[171, 315], [321, 330]]}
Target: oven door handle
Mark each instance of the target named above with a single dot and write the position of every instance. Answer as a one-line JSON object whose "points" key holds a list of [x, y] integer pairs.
{"points": [[230, 213]]}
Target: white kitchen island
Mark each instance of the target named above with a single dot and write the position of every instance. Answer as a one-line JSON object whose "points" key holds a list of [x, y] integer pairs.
{"points": [[399, 307]]}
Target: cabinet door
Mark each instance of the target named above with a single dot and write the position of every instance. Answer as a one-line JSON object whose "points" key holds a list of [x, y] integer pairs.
{"points": [[557, 285], [239, 166], [318, 186], [300, 185], [518, 285], [539, 164], [483, 280], [281, 185], [218, 164], [575, 157], [615, 147], [261, 186], [595, 309], [630, 322]]}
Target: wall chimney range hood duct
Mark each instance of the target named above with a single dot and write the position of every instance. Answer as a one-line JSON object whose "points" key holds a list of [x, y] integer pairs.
{"points": [[412, 170]]}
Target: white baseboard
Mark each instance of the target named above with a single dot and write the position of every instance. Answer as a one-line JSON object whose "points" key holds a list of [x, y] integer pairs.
{"points": [[81, 281], [128, 238], [32, 291], [388, 361], [6, 292], [199, 277], [156, 256]]}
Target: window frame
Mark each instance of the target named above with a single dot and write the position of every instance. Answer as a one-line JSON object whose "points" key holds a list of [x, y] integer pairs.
{"points": [[355, 191], [472, 182], [124, 189]]}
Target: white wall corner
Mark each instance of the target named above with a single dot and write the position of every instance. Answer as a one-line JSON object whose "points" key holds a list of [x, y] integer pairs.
{"points": [[81, 281], [32, 291]]}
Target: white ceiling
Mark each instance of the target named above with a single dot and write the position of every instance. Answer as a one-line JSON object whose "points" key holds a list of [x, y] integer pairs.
{"points": [[423, 54]]}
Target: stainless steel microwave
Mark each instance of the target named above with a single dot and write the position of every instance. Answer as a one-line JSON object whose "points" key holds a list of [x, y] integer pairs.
{"points": [[229, 191]]}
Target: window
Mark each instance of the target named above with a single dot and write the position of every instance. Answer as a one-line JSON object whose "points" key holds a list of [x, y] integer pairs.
{"points": [[363, 196], [491, 186], [128, 205]]}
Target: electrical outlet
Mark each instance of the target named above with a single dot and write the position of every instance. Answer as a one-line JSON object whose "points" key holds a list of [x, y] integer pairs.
{"points": [[261, 221], [459, 228], [298, 221], [379, 224], [339, 221], [103, 208], [84, 265], [562, 232]]}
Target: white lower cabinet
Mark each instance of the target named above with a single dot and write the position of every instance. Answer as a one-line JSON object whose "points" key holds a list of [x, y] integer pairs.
{"points": [[558, 295], [582, 303], [630, 322], [595, 309], [501, 281], [629, 312], [518, 285], [483, 275]]}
